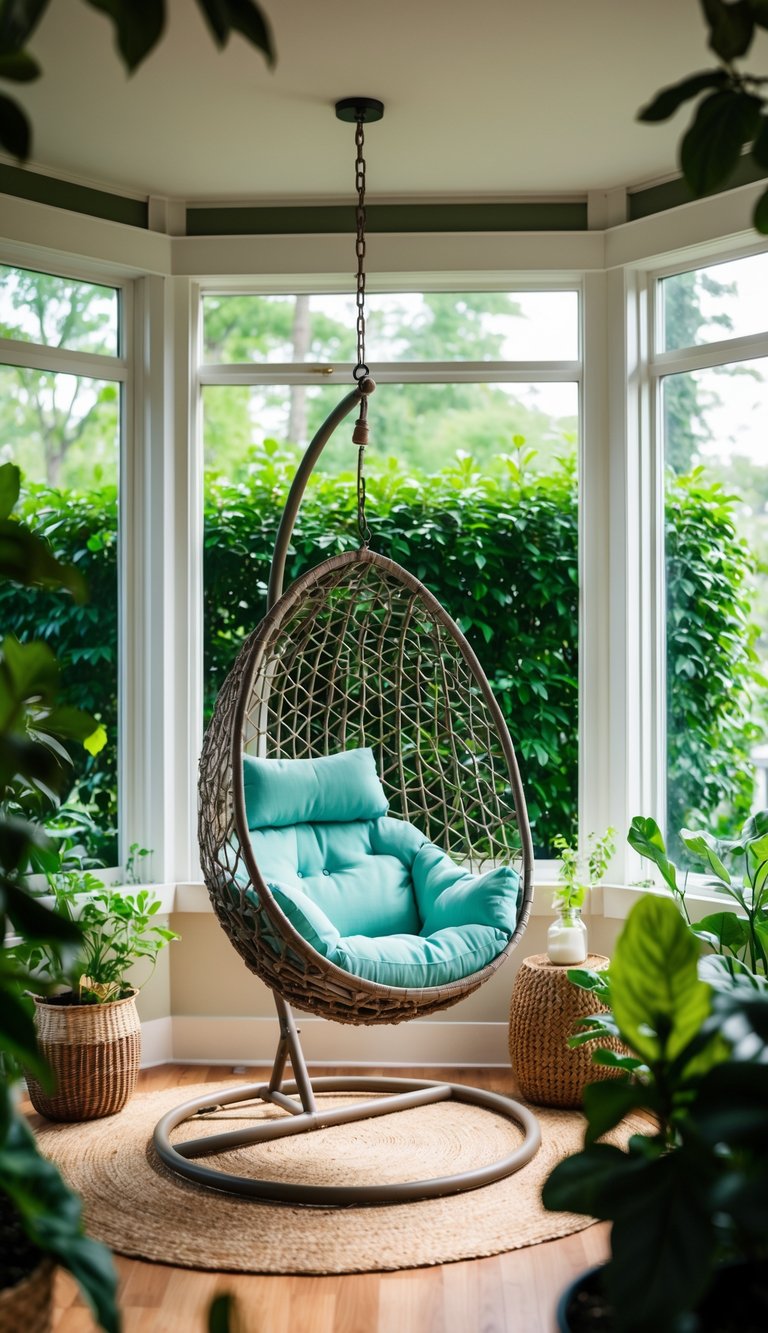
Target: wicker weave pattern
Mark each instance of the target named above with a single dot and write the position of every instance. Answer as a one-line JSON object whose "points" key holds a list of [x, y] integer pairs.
{"points": [[95, 1053], [544, 1008], [358, 652], [28, 1306]]}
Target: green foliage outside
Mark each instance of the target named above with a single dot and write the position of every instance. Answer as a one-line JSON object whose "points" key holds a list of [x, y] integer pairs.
{"points": [[714, 681], [499, 549]]}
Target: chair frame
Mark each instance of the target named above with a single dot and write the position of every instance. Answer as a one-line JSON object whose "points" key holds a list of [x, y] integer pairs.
{"points": [[377, 1003]]}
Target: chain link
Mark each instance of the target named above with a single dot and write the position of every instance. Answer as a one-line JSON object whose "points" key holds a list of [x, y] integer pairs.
{"points": [[361, 368]]}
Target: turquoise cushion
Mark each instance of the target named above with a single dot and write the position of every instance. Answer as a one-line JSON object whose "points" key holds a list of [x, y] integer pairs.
{"points": [[334, 788], [307, 918], [419, 961], [344, 869], [447, 895]]}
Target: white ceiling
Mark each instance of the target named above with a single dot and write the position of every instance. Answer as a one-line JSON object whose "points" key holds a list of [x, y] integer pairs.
{"points": [[487, 100]]}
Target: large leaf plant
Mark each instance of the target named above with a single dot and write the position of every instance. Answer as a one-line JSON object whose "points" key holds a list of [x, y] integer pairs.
{"points": [[34, 731], [138, 29], [691, 1192], [731, 111]]}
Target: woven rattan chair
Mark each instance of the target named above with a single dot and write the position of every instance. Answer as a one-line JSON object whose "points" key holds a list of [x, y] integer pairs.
{"points": [[356, 653]]}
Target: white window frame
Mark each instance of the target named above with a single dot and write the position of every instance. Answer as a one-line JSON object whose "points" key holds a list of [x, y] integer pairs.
{"points": [[117, 369]]}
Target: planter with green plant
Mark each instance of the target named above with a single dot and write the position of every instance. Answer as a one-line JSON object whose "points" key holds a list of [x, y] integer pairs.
{"points": [[40, 1218], [689, 1200], [567, 935], [89, 1031]]}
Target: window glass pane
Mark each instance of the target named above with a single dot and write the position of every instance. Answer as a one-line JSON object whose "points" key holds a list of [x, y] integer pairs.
{"points": [[58, 312], [471, 486], [63, 433], [437, 326], [717, 595], [707, 304]]}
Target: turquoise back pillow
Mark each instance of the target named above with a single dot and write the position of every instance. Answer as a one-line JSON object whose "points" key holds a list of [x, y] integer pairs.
{"points": [[331, 789]]}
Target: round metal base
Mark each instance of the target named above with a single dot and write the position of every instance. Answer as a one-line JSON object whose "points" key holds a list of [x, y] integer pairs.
{"points": [[352, 109], [406, 1093]]}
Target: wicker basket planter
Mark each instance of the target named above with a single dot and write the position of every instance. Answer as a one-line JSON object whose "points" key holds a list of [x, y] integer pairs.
{"points": [[28, 1305], [94, 1051]]}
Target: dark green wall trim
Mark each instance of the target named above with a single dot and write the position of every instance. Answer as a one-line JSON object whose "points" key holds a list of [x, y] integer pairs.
{"points": [[387, 218], [26, 184], [658, 198]]}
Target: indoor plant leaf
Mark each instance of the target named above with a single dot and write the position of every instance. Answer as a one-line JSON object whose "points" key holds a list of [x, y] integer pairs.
{"points": [[712, 146], [138, 24], [668, 100], [607, 1103], [731, 26], [705, 848], [658, 1001], [16, 139], [645, 837]]}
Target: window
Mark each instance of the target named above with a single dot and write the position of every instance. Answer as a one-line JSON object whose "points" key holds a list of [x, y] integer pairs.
{"points": [[713, 371], [472, 482], [61, 376]]}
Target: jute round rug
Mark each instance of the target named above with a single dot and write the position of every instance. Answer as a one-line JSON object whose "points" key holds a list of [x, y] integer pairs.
{"points": [[140, 1209]]}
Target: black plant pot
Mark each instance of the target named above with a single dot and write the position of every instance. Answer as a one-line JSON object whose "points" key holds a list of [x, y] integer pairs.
{"points": [[737, 1302]]}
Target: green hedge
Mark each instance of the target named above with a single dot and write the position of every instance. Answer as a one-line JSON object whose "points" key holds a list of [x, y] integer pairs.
{"points": [[500, 552]]}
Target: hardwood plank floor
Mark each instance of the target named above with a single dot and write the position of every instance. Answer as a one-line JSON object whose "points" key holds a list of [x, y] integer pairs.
{"points": [[510, 1293]]}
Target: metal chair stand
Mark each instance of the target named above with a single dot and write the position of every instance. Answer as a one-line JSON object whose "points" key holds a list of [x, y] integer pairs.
{"points": [[304, 1116]]}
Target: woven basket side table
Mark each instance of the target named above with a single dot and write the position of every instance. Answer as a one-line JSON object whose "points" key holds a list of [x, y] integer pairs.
{"points": [[544, 1008]]}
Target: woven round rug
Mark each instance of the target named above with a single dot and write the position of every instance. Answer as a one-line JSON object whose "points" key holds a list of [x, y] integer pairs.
{"points": [[139, 1208]]}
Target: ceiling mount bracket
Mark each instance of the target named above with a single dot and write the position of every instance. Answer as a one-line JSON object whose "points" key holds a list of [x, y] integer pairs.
{"points": [[364, 109]]}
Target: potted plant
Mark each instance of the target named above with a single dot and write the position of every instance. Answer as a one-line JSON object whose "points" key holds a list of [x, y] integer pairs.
{"points": [[567, 935], [89, 1032], [738, 869], [40, 1217], [689, 1199]]}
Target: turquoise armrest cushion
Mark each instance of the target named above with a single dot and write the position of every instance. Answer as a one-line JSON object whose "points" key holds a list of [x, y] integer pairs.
{"points": [[334, 788], [450, 896], [307, 918]]}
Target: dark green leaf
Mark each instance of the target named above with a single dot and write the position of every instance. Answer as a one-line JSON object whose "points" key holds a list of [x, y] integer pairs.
{"points": [[712, 146], [666, 1229], [667, 101], [28, 559], [10, 480], [18, 66], [139, 26], [729, 930], [760, 214], [36, 921], [607, 1103], [241, 16], [18, 1037], [731, 27], [15, 138], [18, 19], [597, 1182], [221, 1313]]}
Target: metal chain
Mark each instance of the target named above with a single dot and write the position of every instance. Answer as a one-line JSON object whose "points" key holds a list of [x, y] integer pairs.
{"points": [[361, 369]]}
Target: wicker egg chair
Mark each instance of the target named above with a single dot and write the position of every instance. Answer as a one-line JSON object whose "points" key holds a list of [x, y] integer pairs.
{"points": [[357, 653]]}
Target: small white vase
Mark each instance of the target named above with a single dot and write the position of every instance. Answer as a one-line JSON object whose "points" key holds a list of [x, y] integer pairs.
{"points": [[567, 938]]}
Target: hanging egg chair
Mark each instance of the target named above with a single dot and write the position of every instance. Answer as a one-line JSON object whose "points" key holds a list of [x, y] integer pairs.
{"points": [[363, 830]]}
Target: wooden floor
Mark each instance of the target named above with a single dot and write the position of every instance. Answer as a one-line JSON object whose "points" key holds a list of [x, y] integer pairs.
{"points": [[510, 1293]]}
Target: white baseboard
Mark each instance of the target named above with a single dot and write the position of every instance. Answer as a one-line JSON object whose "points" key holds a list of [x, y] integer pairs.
{"points": [[247, 1041]]}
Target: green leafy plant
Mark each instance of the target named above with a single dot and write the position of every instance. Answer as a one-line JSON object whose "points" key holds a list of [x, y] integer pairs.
{"points": [[138, 29], [117, 930], [135, 863], [34, 1201], [576, 874], [731, 109], [735, 867], [692, 1192]]}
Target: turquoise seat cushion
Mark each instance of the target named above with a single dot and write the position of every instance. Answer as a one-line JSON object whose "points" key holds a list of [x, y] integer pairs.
{"points": [[334, 788], [350, 871], [368, 892], [420, 961]]}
